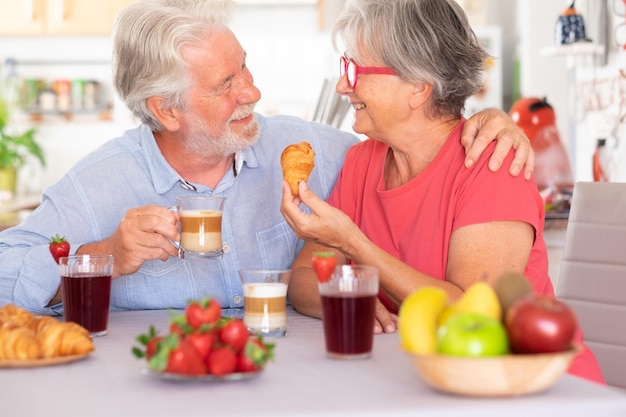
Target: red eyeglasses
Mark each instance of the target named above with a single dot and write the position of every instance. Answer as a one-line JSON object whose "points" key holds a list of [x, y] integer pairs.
{"points": [[349, 67]]}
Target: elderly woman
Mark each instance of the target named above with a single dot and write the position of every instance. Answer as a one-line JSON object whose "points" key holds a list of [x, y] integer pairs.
{"points": [[404, 201]]}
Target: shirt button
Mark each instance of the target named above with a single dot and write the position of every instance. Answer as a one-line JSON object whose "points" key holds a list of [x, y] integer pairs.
{"points": [[236, 299], [226, 248]]}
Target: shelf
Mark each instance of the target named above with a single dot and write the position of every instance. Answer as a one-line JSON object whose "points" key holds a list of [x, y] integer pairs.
{"points": [[578, 48]]}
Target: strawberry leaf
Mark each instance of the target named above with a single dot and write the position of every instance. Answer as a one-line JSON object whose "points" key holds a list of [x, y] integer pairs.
{"points": [[159, 361], [138, 352], [57, 239]]}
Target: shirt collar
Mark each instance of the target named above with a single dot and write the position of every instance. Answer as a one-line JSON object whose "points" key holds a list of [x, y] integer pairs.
{"points": [[164, 177], [238, 162]]}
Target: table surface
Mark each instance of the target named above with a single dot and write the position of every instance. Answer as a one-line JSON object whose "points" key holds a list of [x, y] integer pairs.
{"points": [[301, 381]]}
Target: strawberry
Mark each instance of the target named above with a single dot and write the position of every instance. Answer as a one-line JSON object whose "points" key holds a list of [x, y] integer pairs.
{"points": [[202, 342], [179, 325], [221, 361], [324, 264], [177, 356], [178, 329], [152, 346], [254, 355], [234, 334], [149, 344], [59, 247], [246, 364], [185, 360], [203, 312]]}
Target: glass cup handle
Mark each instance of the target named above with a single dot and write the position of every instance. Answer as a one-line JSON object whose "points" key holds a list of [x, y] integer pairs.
{"points": [[181, 252]]}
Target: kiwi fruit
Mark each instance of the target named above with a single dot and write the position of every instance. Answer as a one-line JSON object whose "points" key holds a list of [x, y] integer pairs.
{"points": [[511, 286]]}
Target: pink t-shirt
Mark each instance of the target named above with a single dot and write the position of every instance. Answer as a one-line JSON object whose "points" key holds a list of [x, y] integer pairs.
{"points": [[414, 222]]}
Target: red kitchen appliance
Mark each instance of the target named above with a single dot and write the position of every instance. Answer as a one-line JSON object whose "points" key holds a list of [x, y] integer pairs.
{"points": [[553, 172]]}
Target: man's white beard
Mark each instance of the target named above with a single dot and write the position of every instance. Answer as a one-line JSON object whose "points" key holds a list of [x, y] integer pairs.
{"points": [[228, 143]]}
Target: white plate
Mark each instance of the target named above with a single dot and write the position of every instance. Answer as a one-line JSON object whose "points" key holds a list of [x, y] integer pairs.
{"points": [[236, 376]]}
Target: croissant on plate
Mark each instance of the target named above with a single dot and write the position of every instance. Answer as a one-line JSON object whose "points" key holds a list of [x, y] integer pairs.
{"points": [[297, 164], [62, 339], [18, 343], [24, 335]]}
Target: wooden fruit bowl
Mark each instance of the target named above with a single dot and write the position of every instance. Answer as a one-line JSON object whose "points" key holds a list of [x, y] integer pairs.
{"points": [[498, 376]]}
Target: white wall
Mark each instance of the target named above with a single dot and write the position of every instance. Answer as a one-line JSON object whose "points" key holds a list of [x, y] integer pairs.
{"points": [[288, 55]]}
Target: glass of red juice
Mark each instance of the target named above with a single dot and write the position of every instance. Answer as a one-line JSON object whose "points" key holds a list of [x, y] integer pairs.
{"points": [[348, 311], [86, 290]]}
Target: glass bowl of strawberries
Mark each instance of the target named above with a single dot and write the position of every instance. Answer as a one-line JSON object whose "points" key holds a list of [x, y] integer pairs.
{"points": [[203, 345]]}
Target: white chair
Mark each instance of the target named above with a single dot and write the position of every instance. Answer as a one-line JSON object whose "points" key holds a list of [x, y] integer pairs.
{"points": [[593, 272], [331, 108]]}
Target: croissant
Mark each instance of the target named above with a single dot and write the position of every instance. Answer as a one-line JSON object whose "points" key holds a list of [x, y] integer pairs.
{"points": [[18, 343], [38, 323], [24, 335], [297, 164], [12, 313], [62, 339]]}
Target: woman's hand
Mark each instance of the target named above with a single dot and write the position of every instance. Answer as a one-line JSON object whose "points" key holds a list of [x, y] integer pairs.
{"points": [[385, 321], [325, 225], [494, 124]]}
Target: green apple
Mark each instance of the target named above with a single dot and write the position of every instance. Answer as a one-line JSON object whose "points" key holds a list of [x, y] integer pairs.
{"points": [[471, 334]]}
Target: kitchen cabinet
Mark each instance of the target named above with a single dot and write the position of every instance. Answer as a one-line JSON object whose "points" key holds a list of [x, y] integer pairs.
{"points": [[59, 17]]}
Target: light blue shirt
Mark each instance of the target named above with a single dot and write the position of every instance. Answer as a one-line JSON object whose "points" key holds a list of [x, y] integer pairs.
{"points": [[87, 204]]}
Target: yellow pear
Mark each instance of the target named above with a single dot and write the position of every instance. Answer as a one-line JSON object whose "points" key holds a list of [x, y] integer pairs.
{"points": [[479, 298]]}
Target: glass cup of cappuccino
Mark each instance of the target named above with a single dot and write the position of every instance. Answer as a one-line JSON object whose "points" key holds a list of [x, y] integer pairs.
{"points": [[200, 226], [265, 300]]}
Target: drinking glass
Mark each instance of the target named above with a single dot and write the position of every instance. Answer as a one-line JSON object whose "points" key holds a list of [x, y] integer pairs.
{"points": [[265, 300], [86, 290], [349, 311], [201, 226]]}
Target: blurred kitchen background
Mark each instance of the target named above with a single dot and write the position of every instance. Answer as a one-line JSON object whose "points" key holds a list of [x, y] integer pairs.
{"points": [[57, 54]]}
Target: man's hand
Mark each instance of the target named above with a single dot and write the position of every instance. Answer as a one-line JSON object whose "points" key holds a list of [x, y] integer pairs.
{"points": [[145, 233], [494, 124]]}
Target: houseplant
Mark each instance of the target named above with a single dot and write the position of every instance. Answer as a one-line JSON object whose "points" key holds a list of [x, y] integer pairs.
{"points": [[15, 150]]}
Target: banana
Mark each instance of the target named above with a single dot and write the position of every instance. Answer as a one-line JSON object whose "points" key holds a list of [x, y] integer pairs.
{"points": [[417, 320]]}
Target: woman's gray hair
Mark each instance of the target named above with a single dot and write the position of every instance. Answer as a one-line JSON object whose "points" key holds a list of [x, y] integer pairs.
{"points": [[147, 41], [422, 41]]}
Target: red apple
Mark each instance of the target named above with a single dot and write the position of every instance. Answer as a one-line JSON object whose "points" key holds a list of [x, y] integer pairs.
{"points": [[540, 324]]}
